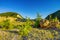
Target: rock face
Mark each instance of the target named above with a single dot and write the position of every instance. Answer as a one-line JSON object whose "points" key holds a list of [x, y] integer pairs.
{"points": [[53, 15]]}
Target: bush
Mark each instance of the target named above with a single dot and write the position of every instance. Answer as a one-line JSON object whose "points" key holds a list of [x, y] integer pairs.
{"points": [[25, 29], [6, 24], [44, 23], [54, 23], [37, 22]]}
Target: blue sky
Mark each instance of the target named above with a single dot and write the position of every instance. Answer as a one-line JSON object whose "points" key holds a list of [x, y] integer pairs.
{"points": [[30, 7]]}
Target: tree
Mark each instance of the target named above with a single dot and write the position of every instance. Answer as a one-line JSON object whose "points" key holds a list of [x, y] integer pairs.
{"points": [[38, 18]]}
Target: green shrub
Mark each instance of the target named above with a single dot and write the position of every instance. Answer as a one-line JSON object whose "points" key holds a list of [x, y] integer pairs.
{"points": [[37, 22], [25, 29], [6, 24]]}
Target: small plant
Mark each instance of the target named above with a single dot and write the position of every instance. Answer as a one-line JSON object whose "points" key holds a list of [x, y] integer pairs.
{"points": [[6, 24], [57, 24], [37, 22], [25, 29]]}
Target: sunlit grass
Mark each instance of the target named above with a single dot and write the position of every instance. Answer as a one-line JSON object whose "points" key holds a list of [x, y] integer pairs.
{"points": [[34, 34]]}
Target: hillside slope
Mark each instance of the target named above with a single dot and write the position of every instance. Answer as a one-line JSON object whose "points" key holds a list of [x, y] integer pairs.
{"points": [[10, 14], [53, 15]]}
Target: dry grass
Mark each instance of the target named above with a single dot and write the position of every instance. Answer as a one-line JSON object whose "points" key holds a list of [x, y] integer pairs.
{"points": [[35, 34]]}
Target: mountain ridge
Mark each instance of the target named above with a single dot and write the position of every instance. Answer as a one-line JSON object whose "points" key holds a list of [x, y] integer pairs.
{"points": [[10, 14], [53, 15]]}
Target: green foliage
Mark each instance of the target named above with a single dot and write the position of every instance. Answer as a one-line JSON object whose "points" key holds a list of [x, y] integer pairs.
{"points": [[54, 23], [56, 19], [38, 20], [25, 29], [6, 24], [58, 26], [50, 17], [57, 23], [11, 26]]}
